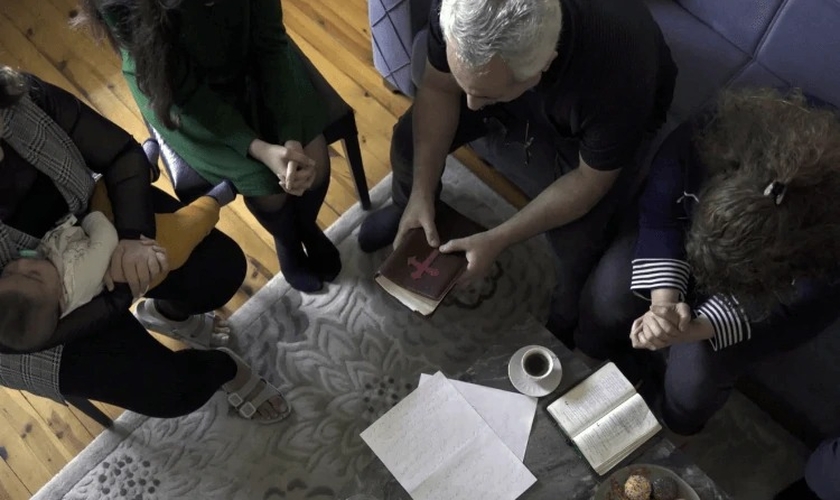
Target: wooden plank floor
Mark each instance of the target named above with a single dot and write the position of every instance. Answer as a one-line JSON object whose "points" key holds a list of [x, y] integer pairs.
{"points": [[37, 436]]}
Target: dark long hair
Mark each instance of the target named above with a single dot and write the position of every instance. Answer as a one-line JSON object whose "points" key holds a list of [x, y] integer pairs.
{"points": [[146, 31], [744, 244]]}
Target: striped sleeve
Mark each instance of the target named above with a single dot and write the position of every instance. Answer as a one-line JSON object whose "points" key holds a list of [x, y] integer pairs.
{"points": [[729, 321], [651, 274]]}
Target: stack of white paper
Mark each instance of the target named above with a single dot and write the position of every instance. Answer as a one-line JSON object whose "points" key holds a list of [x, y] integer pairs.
{"points": [[438, 446]]}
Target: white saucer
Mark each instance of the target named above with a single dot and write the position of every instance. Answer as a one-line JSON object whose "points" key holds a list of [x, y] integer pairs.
{"points": [[526, 384]]}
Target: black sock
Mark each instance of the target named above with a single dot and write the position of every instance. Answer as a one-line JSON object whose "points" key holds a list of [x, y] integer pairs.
{"points": [[293, 262], [223, 192], [324, 257]]}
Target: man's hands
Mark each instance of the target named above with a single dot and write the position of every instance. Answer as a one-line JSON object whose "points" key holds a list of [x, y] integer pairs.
{"points": [[420, 212], [294, 169], [482, 249], [668, 322], [138, 263]]}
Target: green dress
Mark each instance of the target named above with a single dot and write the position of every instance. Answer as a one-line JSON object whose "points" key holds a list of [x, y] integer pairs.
{"points": [[230, 52]]}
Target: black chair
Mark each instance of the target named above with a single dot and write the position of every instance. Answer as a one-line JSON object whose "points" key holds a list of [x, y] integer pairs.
{"points": [[91, 411], [189, 185]]}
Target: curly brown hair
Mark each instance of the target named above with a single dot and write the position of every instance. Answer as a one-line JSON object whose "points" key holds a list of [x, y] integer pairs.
{"points": [[12, 86], [742, 243]]}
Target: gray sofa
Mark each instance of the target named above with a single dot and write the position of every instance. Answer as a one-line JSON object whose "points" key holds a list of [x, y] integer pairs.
{"points": [[716, 44]]}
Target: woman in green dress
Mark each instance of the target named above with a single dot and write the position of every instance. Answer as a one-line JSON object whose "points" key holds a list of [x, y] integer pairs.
{"points": [[223, 85]]}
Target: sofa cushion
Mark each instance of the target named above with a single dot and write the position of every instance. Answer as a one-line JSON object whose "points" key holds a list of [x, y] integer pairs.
{"points": [[706, 60], [756, 75], [391, 35], [803, 47], [741, 22]]}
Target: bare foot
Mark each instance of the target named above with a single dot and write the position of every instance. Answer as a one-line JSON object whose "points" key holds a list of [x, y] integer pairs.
{"points": [[272, 408], [221, 331]]}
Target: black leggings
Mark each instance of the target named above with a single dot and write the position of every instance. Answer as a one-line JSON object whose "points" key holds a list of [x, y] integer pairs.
{"points": [[125, 366]]}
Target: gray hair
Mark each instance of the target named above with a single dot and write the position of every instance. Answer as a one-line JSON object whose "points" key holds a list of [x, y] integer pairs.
{"points": [[523, 33]]}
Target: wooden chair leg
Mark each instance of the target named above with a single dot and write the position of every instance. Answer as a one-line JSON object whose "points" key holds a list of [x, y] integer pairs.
{"points": [[354, 158], [91, 411], [345, 130]]}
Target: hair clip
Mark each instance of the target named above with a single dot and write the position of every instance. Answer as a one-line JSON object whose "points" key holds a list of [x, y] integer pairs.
{"points": [[29, 254], [777, 190]]}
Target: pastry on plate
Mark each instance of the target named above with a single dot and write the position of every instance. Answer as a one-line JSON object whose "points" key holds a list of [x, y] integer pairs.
{"points": [[637, 487]]}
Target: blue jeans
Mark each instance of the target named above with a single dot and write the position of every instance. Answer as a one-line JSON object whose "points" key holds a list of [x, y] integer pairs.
{"points": [[698, 379]]}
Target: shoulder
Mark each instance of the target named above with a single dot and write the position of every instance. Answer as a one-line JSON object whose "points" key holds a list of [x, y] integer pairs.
{"points": [[60, 105], [436, 44], [626, 16], [614, 37], [434, 17]]}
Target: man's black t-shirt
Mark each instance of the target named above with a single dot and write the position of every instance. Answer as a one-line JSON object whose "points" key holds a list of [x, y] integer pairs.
{"points": [[611, 83]]}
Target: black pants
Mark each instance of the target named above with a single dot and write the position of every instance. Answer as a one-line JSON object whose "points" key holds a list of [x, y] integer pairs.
{"points": [[698, 379], [577, 245], [125, 366]]}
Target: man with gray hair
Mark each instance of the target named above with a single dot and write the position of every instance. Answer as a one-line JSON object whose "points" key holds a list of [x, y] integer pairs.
{"points": [[589, 80]]}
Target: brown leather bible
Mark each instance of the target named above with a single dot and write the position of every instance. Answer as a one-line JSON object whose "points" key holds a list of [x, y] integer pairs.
{"points": [[420, 276]]}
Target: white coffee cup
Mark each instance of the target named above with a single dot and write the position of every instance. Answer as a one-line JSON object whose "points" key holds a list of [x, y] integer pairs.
{"points": [[537, 363]]}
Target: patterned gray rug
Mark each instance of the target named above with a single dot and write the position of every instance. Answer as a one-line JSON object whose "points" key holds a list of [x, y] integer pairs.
{"points": [[343, 357]]}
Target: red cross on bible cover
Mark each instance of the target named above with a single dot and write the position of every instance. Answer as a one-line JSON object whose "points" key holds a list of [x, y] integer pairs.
{"points": [[417, 274]]}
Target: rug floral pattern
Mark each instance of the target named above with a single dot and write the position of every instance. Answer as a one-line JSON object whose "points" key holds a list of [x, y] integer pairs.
{"points": [[343, 357]]}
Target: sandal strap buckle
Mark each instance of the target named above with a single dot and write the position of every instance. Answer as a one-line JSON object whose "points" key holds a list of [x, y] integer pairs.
{"points": [[235, 399], [247, 410]]}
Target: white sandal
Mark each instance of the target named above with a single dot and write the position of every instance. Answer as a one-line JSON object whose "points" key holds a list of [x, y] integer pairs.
{"points": [[198, 331], [247, 406]]}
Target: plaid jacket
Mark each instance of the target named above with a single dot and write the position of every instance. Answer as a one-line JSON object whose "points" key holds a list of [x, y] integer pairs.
{"points": [[53, 135]]}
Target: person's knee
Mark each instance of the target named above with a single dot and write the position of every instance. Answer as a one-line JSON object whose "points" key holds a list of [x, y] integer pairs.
{"points": [[318, 150], [821, 471], [587, 334], [604, 307], [607, 308], [266, 204], [696, 387], [402, 144]]}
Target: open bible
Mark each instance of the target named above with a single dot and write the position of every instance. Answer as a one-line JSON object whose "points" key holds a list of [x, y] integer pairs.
{"points": [[605, 418], [420, 276]]}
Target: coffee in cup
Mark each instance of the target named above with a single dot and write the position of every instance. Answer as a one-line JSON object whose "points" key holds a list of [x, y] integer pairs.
{"points": [[537, 363]]}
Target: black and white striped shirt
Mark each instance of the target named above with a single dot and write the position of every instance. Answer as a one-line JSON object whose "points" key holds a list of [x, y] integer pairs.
{"points": [[666, 206]]}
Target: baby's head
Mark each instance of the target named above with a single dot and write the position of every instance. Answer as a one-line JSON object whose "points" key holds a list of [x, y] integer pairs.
{"points": [[30, 303]]}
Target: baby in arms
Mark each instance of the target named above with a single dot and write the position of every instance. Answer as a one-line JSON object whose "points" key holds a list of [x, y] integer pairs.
{"points": [[68, 268]]}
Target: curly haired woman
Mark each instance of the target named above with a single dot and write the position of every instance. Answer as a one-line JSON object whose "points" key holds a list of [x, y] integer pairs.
{"points": [[224, 86], [733, 255]]}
